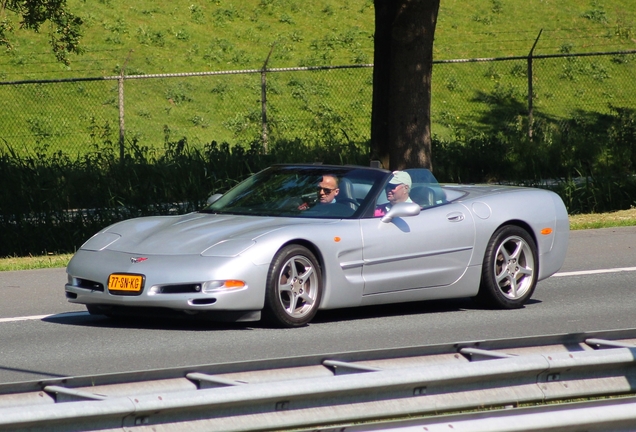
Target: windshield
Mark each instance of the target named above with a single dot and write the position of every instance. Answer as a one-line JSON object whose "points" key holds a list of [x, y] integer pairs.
{"points": [[304, 191]]}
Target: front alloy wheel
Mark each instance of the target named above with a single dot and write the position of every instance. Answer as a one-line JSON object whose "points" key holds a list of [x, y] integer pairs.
{"points": [[509, 273], [294, 287]]}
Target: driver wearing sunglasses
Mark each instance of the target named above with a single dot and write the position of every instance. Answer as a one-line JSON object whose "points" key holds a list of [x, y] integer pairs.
{"points": [[327, 191]]}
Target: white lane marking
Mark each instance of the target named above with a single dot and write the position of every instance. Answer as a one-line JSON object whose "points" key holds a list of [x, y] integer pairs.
{"points": [[589, 272], [41, 317]]}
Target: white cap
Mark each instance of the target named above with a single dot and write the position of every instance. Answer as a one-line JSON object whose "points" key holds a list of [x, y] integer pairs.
{"points": [[401, 177]]}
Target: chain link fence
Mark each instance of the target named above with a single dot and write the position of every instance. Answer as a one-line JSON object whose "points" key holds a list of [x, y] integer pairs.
{"points": [[492, 94], [239, 107], [315, 105], [63, 142]]}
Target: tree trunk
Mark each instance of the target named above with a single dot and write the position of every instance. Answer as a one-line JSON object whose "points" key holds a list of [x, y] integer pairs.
{"points": [[403, 65]]}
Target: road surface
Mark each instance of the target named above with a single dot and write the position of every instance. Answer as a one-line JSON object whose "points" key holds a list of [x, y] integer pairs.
{"points": [[42, 335]]}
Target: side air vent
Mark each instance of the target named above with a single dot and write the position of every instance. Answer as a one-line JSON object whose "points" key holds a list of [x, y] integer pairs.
{"points": [[177, 289], [203, 301], [89, 285]]}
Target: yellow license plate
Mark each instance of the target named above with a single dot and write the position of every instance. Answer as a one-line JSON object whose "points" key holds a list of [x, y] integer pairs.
{"points": [[125, 282]]}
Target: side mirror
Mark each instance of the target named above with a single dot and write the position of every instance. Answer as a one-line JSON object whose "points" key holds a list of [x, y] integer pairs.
{"points": [[214, 198], [401, 210]]}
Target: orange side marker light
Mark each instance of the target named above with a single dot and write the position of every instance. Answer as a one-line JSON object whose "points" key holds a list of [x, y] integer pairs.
{"points": [[234, 283], [337, 239], [546, 231]]}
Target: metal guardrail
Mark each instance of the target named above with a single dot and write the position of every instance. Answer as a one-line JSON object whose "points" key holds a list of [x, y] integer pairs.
{"points": [[343, 388], [597, 416]]}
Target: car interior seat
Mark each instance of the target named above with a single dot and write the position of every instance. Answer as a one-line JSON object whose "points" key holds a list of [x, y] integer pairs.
{"points": [[423, 195], [346, 191]]}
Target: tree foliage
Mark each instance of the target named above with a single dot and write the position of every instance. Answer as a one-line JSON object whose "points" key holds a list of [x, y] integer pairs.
{"points": [[64, 27]]}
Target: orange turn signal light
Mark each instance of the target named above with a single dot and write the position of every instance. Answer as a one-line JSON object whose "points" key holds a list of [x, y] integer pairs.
{"points": [[234, 284], [546, 231], [337, 239]]}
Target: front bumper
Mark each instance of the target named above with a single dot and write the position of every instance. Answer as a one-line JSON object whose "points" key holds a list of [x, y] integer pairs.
{"points": [[88, 274]]}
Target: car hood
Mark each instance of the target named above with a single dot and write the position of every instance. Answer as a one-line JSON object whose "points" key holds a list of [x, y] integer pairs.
{"points": [[193, 233]]}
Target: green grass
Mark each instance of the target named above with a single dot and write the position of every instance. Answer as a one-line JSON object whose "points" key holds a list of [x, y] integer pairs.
{"points": [[34, 262], [161, 36], [603, 220], [148, 37]]}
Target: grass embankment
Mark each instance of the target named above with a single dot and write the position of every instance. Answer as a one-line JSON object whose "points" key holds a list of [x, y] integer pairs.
{"points": [[603, 220], [577, 222], [34, 262], [160, 36]]}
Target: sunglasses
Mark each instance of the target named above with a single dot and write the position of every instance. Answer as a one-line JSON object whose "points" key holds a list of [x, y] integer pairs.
{"points": [[327, 191], [391, 187]]}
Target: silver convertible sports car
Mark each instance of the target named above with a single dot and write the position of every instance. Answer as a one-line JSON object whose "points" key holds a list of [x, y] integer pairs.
{"points": [[293, 239]]}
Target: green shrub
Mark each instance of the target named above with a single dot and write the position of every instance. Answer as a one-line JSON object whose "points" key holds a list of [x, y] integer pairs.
{"points": [[54, 201]]}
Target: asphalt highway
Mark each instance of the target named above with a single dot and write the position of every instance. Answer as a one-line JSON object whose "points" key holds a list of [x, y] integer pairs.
{"points": [[42, 335]]}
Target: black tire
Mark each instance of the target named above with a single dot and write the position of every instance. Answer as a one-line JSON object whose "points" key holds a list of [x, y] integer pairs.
{"points": [[294, 287], [510, 269]]}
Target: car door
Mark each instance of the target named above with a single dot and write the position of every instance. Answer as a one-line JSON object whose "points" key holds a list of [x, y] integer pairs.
{"points": [[431, 249]]}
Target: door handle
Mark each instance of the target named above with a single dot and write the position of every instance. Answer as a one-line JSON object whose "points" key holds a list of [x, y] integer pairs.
{"points": [[455, 217]]}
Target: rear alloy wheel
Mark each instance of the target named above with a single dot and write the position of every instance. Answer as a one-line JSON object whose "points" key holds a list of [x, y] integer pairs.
{"points": [[294, 287], [510, 268]]}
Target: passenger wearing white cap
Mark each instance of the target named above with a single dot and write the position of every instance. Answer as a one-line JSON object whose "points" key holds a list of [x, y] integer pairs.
{"points": [[397, 190]]}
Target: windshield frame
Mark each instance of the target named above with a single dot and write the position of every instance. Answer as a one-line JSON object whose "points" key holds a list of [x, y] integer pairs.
{"points": [[288, 185]]}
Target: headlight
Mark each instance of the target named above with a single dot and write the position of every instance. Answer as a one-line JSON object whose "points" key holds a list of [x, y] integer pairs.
{"points": [[230, 284], [198, 287]]}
